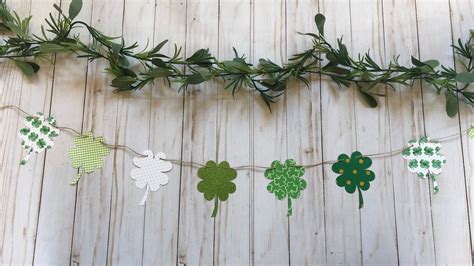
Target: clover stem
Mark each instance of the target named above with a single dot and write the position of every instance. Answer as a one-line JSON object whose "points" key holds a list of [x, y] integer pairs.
{"points": [[290, 207], [142, 201], [361, 199], [77, 177], [216, 203]]}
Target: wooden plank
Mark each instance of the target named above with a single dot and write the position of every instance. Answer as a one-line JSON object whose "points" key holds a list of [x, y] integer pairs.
{"points": [[91, 227], [307, 235], [269, 143], [449, 206], [59, 196], [232, 235], [412, 195], [196, 227], [162, 208], [379, 244], [35, 96], [462, 20], [126, 226], [343, 236], [20, 188]]}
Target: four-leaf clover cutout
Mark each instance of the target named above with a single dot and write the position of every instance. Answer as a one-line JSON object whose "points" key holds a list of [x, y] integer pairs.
{"points": [[87, 155], [286, 181], [150, 172], [425, 159], [354, 173], [38, 134], [216, 182]]}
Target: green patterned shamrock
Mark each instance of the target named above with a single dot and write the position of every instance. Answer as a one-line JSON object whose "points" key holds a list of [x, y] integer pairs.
{"points": [[470, 132], [87, 155], [216, 182], [425, 159], [353, 173], [286, 181], [38, 134]]}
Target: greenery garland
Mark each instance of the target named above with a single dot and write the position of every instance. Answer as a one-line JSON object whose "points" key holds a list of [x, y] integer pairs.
{"points": [[267, 78]]}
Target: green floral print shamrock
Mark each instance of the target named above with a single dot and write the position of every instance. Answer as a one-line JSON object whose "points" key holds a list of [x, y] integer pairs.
{"points": [[424, 159], [87, 155], [354, 173], [216, 182], [286, 181], [38, 134]]}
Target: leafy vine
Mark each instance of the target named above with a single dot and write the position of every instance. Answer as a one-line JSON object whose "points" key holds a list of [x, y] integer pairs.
{"points": [[267, 78]]}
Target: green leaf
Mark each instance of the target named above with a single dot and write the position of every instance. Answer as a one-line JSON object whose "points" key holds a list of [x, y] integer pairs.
{"points": [[160, 72], [28, 68], [417, 62], [320, 20], [451, 104], [432, 63], [369, 99], [74, 8], [465, 77], [123, 82], [196, 78], [158, 62], [50, 48]]}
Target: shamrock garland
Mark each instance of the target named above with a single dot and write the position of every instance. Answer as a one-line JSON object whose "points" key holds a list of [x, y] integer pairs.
{"points": [[353, 173], [286, 181], [425, 159], [87, 155], [150, 172], [216, 182], [37, 135]]}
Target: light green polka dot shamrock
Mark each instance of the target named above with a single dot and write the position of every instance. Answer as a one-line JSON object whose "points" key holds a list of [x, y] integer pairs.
{"points": [[38, 134], [424, 159], [286, 181], [470, 132]]}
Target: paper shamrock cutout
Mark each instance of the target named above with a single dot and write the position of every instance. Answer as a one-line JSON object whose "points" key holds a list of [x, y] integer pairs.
{"points": [[286, 181], [216, 182], [470, 132], [38, 134], [87, 155], [150, 172], [354, 173], [424, 159]]}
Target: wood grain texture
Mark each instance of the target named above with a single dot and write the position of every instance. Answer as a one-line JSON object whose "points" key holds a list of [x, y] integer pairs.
{"points": [[449, 206], [270, 222], [166, 125], [196, 227], [44, 220], [343, 234], [412, 194]]}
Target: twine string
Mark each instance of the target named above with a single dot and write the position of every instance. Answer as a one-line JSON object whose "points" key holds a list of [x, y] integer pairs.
{"points": [[241, 167]]}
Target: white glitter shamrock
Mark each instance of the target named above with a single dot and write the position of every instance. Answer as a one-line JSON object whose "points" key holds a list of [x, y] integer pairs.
{"points": [[150, 172]]}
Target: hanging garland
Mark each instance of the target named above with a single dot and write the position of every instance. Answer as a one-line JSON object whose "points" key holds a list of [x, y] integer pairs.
{"points": [[267, 78], [287, 182]]}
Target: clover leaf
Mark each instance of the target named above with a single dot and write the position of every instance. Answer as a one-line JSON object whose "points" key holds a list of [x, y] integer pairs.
{"points": [[38, 134], [286, 181], [87, 155], [354, 173], [216, 182], [425, 159]]}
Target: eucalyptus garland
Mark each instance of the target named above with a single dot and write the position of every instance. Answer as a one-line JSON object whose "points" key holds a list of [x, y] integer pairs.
{"points": [[267, 78]]}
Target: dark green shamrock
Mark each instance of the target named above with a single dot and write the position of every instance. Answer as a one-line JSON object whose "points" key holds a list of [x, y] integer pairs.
{"points": [[216, 182], [286, 181], [353, 173]]}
